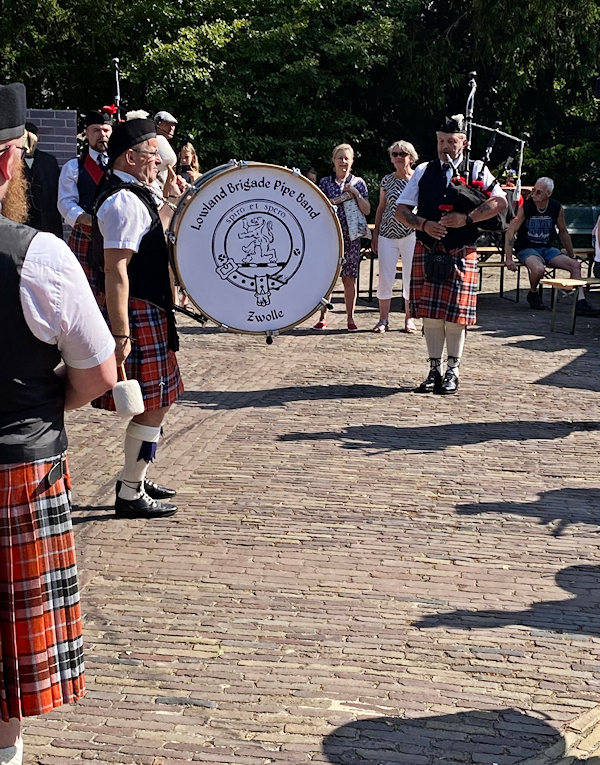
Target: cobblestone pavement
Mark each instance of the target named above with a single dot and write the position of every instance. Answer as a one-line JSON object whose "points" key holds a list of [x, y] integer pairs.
{"points": [[357, 574]]}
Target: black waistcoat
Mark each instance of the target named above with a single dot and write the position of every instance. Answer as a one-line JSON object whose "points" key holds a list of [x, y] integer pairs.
{"points": [[432, 188], [538, 229], [86, 185], [148, 269], [32, 398]]}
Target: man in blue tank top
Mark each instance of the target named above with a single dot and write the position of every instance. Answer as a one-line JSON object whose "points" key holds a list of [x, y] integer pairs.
{"points": [[532, 233]]}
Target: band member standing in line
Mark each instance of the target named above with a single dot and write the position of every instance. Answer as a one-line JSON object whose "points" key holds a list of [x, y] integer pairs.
{"points": [[129, 240], [42, 173], [448, 307], [77, 186], [50, 316]]}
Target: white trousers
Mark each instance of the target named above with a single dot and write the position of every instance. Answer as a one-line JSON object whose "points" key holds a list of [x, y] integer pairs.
{"points": [[389, 253]]}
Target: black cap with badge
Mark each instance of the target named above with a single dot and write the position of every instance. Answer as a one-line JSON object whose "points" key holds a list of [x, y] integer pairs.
{"points": [[454, 124], [128, 134], [13, 106]]}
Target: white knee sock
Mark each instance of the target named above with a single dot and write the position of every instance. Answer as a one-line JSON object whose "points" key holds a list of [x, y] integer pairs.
{"points": [[12, 755], [140, 441], [434, 337], [455, 343]]}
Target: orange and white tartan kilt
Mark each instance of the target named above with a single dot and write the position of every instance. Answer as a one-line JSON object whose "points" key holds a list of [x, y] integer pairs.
{"points": [[41, 644], [456, 299]]}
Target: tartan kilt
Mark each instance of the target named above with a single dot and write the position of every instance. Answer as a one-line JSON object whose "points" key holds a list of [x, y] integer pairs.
{"points": [[41, 644], [456, 299], [150, 362], [80, 243]]}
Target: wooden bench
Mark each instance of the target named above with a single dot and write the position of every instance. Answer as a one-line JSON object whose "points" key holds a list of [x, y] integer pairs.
{"points": [[501, 266], [567, 285]]}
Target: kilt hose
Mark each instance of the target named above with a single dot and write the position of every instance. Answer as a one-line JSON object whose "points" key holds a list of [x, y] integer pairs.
{"points": [[80, 243], [150, 362], [41, 642], [456, 299]]}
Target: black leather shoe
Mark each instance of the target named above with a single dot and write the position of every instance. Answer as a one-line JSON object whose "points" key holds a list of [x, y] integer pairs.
{"points": [[431, 383], [143, 507], [153, 490], [449, 384], [584, 308], [535, 301]]}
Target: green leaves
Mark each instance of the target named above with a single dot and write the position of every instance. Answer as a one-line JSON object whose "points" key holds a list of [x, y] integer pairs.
{"points": [[285, 80]]}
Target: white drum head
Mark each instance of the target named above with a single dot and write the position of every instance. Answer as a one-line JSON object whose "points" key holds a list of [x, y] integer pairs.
{"points": [[256, 247]]}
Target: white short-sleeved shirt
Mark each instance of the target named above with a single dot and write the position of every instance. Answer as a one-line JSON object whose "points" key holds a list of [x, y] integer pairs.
{"points": [[123, 218], [68, 193], [58, 304], [410, 195]]}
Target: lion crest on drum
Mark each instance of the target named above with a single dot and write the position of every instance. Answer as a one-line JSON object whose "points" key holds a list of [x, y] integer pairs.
{"points": [[261, 233], [258, 245]]}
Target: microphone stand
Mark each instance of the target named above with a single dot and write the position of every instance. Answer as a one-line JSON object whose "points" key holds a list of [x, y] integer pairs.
{"points": [[117, 89]]}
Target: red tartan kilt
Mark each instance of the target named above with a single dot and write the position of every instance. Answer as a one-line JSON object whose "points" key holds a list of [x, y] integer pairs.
{"points": [[456, 299], [41, 644], [150, 362], [80, 243]]}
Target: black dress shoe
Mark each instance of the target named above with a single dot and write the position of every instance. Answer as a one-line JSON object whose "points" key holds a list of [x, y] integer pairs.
{"points": [[153, 490], [584, 308], [143, 507], [535, 301], [431, 383], [449, 384]]}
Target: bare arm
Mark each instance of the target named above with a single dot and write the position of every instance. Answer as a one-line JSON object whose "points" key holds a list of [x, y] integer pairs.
{"points": [[487, 209], [405, 215], [83, 385], [509, 239], [564, 234], [117, 298]]}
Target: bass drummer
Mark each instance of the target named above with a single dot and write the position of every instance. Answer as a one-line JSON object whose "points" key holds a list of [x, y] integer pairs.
{"points": [[129, 243]]}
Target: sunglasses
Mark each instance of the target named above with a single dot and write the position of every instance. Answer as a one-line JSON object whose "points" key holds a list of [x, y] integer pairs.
{"points": [[399, 154]]}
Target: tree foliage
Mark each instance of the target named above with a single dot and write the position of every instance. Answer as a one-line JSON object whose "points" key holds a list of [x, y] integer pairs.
{"points": [[285, 80]]}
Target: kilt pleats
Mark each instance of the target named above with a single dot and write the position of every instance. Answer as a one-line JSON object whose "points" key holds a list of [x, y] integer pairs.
{"points": [[41, 645], [456, 299], [80, 242], [150, 362]]}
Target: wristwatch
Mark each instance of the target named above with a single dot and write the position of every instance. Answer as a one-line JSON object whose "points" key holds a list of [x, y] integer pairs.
{"points": [[468, 220]]}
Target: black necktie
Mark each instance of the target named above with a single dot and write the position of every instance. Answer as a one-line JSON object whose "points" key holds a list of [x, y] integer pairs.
{"points": [[445, 167], [102, 160]]}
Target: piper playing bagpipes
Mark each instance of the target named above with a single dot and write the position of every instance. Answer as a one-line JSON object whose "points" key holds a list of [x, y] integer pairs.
{"points": [[452, 197]]}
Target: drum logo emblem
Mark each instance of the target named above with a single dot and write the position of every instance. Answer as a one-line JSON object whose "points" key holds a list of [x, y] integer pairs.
{"points": [[258, 245]]}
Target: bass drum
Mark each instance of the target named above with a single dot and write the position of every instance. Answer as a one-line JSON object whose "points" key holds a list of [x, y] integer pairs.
{"points": [[256, 247]]}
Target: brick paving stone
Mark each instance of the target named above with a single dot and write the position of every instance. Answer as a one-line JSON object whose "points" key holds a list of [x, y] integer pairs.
{"points": [[357, 573]]}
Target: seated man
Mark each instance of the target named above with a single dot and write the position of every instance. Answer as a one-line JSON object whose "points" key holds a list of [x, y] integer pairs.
{"points": [[531, 233]]}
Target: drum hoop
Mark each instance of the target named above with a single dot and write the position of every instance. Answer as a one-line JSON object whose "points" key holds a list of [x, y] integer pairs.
{"points": [[174, 230]]}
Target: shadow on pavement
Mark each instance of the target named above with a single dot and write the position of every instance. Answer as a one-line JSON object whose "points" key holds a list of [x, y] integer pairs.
{"points": [[561, 506], [579, 373], [501, 736], [85, 514], [221, 399], [580, 614], [439, 437]]}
